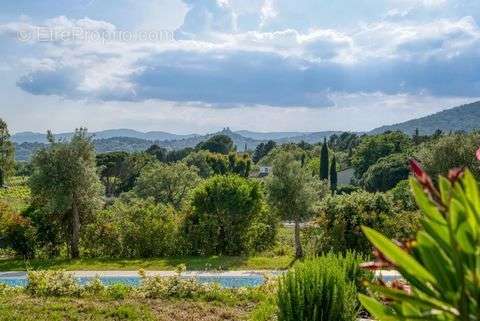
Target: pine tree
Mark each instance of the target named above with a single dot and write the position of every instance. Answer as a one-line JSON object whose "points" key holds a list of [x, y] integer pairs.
{"points": [[7, 153], [324, 161], [333, 175]]}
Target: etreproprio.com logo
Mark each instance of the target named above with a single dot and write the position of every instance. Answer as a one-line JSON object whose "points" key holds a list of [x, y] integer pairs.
{"points": [[45, 34]]}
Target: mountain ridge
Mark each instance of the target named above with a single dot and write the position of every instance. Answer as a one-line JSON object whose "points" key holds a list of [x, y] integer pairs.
{"points": [[461, 118]]}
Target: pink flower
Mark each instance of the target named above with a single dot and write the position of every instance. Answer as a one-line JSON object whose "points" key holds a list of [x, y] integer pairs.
{"points": [[478, 154]]}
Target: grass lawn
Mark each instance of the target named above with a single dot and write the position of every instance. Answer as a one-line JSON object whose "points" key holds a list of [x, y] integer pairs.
{"points": [[25, 308], [160, 264]]}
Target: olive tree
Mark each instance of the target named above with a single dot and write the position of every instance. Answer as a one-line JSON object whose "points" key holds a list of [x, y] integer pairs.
{"points": [[167, 183], [290, 193], [65, 184], [7, 162]]}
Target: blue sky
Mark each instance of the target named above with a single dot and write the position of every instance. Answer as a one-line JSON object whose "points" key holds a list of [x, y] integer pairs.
{"points": [[265, 65]]}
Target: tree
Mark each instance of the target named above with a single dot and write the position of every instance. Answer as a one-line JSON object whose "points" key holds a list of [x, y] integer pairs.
{"points": [[200, 161], [111, 167], [134, 165], [386, 173], [416, 137], [333, 175], [450, 151], [65, 183], [343, 142], [167, 183], [290, 193], [7, 153], [324, 161], [338, 220], [221, 144], [262, 150], [160, 153], [229, 217], [372, 148]]}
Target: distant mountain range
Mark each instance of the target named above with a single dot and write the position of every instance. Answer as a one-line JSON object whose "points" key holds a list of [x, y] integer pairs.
{"points": [[464, 118], [27, 143], [30, 137], [461, 118]]}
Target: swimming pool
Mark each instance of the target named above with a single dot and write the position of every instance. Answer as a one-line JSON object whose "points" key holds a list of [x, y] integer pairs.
{"points": [[222, 280], [226, 280]]}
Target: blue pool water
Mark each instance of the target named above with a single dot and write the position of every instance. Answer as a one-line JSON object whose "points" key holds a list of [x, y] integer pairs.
{"points": [[224, 281]]}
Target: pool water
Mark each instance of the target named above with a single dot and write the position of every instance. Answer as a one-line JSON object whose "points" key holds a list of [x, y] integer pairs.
{"points": [[224, 281]]}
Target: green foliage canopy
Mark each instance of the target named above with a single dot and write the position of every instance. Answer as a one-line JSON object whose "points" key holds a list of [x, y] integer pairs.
{"points": [[221, 144], [386, 173], [65, 183], [226, 210], [7, 153], [372, 148], [167, 183]]}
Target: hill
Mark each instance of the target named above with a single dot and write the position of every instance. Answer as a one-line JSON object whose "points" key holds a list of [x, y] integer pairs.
{"points": [[25, 150], [461, 118], [31, 137], [27, 143]]}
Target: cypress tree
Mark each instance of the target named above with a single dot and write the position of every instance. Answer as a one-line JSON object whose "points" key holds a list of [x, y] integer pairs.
{"points": [[324, 161], [333, 175]]}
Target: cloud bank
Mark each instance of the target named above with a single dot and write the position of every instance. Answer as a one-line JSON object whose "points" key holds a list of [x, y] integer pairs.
{"points": [[226, 56]]}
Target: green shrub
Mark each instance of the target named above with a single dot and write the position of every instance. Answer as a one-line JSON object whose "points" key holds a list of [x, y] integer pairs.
{"points": [[450, 151], [386, 173], [52, 283], [134, 228], [118, 291], [402, 197], [170, 287], [229, 217], [16, 232], [337, 226], [347, 189], [338, 223], [318, 290], [442, 265], [94, 288]]}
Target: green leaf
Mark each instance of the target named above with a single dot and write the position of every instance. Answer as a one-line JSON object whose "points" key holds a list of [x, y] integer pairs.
{"points": [[415, 300], [424, 203], [445, 189], [398, 256], [378, 310], [436, 262]]}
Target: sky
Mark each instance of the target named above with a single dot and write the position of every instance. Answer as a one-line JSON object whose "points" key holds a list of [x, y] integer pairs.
{"points": [[197, 66]]}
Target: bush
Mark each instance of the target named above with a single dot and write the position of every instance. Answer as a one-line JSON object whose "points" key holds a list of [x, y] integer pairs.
{"points": [[52, 283], [16, 232], [321, 289], [386, 173], [229, 217], [456, 150], [402, 197], [337, 226], [118, 291], [372, 148], [347, 189], [171, 287], [134, 228]]}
